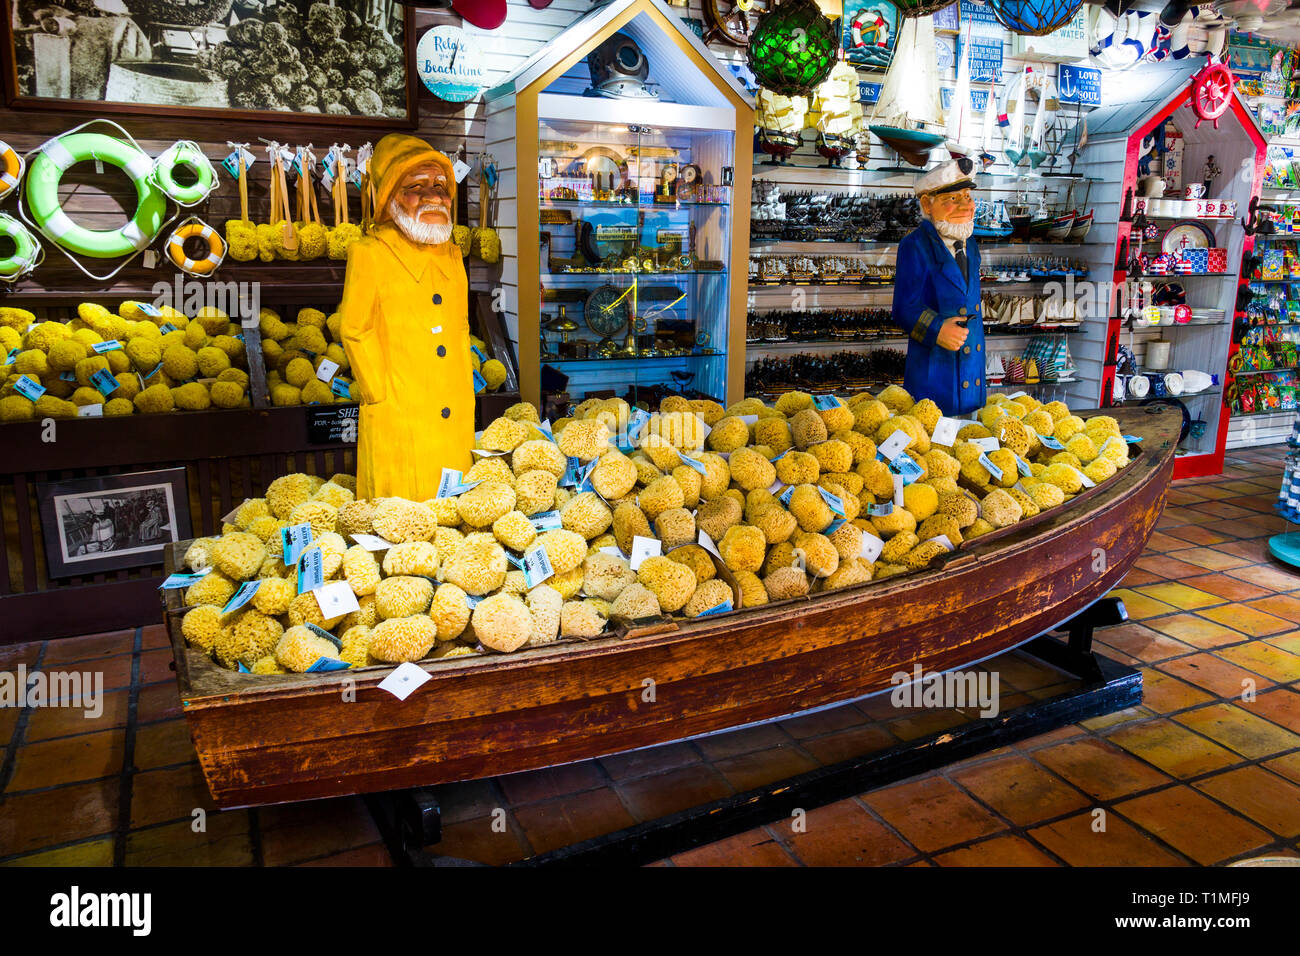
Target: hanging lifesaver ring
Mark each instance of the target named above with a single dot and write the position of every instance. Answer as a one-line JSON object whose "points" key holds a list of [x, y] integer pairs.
{"points": [[47, 168], [190, 229], [871, 22], [27, 252], [185, 153], [11, 169]]}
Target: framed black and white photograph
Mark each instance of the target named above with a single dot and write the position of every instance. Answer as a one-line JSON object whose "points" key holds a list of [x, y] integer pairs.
{"points": [[91, 525], [297, 60]]}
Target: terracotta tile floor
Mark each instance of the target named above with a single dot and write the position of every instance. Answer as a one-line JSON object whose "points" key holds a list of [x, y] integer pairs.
{"points": [[1205, 771]]}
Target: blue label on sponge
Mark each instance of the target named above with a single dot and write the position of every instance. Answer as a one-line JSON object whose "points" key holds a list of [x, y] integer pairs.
{"points": [[908, 469], [321, 632], [327, 664], [833, 526], [174, 581], [1132, 439], [112, 345], [881, 510], [311, 570], [482, 356], [834, 502], [295, 541], [28, 389], [11, 355], [340, 387], [785, 496], [242, 596], [694, 463], [242, 668], [824, 402], [105, 382], [480, 382], [67, 377], [1022, 466], [993, 469], [1051, 443], [722, 608]]}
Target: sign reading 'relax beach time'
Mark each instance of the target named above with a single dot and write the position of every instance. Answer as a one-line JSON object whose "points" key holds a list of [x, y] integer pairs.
{"points": [[450, 63]]}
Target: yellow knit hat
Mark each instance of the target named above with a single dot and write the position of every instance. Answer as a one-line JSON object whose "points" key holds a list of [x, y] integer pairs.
{"points": [[396, 155]]}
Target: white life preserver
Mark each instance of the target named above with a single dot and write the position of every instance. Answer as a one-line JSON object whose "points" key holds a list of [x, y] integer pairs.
{"points": [[868, 19]]}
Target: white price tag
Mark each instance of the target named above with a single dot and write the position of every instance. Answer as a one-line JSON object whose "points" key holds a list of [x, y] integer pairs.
{"points": [[614, 551], [643, 548], [460, 170], [707, 544], [892, 446], [336, 599], [326, 370], [1014, 395], [945, 431], [898, 490], [871, 547], [988, 444], [1087, 482], [943, 540], [372, 542], [749, 419], [91, 411], [404, 680]]}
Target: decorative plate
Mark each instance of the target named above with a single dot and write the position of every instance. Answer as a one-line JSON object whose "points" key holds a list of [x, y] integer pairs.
{"points": [[1187, 234]]}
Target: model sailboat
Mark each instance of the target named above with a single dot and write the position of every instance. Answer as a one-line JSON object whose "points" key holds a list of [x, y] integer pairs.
{"points": [[908, 112], [987, 156], [961, 120]]}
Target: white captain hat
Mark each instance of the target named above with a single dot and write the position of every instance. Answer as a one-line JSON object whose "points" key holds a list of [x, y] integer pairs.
{"points": [[947, 177]]}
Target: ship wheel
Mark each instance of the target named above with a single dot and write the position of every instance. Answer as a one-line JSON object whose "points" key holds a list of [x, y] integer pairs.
{"points": [[728, 21], [1211, 92]]}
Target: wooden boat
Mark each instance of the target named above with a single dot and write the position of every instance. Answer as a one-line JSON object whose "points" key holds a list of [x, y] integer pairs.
{"points": [[908, 112], [297, 737]]}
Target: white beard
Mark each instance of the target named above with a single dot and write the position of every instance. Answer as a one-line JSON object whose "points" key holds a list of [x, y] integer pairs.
{"points": [[955, 231], [425, 233]]}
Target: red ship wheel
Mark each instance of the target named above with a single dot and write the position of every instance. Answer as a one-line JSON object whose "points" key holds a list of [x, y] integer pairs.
{"points": [[1211, 92]]}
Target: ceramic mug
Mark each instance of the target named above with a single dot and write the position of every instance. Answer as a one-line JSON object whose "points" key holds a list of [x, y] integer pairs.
{"points": [[1230, 207], [1194, 191], [1202, 208], [1140, 204]]}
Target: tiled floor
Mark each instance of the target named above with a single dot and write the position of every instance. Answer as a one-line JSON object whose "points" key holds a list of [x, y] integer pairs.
{"points": [[1205, 771]]}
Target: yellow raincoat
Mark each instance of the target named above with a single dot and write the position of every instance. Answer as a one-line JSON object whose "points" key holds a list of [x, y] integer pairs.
{"points": [[406, 333]]}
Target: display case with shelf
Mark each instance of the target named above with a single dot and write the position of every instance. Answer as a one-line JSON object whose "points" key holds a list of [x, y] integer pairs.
{"points": [[622, 228]]}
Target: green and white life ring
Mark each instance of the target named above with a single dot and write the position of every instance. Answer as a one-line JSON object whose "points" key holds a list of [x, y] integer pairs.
{"points": [[55, 157], [188, 154], [27, 253], [11, 169]]}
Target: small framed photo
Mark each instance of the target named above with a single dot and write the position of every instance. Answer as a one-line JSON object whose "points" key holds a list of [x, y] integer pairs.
{"points": [[92, 525]]}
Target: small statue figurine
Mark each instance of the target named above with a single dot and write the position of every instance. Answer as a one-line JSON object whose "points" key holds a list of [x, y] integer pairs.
{"points": [[1209, 174]]}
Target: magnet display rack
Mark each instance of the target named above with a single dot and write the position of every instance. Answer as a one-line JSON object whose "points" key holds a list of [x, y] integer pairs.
{"points": [[1148, 98]]}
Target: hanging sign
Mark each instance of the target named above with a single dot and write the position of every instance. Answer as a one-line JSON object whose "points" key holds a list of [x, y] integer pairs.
{"points": [[1065, 45], [868, 92], [870, 32], [945, 20], [450, 63], [1079, 84], [985, 41], [978, 98]]}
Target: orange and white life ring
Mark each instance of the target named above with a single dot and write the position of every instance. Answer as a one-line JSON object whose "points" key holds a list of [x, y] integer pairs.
{"points": [[11, 169], [190, 229]]}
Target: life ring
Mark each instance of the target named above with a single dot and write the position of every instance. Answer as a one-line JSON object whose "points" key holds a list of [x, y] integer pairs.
{"points": [[185, 153], [877, 24], [27, 252], [50, 162], [189, 229], [11, 169]]}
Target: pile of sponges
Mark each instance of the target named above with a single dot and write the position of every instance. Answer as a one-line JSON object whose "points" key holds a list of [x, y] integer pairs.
{"points": [[294, 352], [719, 508], [155, 359]]}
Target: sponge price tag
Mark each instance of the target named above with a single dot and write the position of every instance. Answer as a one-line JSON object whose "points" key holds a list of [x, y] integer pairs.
{"points": [[988, 444], [537, 566], [824, 402], [311, 570], [326, 370], [833, 501], [881, 510], [693, 463], [151, 310], [480, 382], [994, 470], [372, 542], [943, 540], [907, 469], [321, 632], [482, 356], [546, 521], [584, 477], [722, 608], [67, 377], [571, 472], [871, 547], [241, 597], [174, 581], [91, 411], [1132, 439], [404, 681], [544, 426], [295, 541], [451, 484], [104, 381], [898, 490], [1086, 481], [335, 599], [894, 445], [341, 387], [749, 419], [785, 495], [643, 548], [945, 431], [11, 355], [112, 345], [833, 526], [322, 664], [707, 544], [1050, 442], [28, 389], [1022, 466]]}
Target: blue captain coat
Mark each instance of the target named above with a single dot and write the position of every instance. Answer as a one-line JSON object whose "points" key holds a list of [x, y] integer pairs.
{"points": [[929, 288]]}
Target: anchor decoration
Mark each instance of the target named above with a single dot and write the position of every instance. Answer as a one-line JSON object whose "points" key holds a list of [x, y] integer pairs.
{"points": [[1211, 91], [1251, 220]]}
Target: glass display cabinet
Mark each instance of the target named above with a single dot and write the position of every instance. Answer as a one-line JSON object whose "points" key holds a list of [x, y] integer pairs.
{"points": [[630, 142]]}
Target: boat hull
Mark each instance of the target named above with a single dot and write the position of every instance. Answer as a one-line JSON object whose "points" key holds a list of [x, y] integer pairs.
{"points": [[299, 737], [913, 145]]}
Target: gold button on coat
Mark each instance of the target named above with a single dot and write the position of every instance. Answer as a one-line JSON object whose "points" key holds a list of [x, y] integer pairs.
{"points": [[965, 384], [966, 350]]}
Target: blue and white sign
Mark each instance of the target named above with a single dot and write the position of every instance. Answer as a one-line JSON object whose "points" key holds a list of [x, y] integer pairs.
{"points": [[868, 92], [450, 64], [986, 35], [1079, 84], [945, 20], [978, 98]]}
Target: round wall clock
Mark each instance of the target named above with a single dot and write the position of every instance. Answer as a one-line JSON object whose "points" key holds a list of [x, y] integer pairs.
{"points": [[606, 310], [450, 63]]}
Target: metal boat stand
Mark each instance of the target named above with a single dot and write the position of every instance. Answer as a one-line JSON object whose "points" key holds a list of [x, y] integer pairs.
{"points": [[410, 820]]}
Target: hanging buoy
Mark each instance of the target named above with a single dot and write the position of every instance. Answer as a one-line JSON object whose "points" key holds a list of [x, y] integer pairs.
{"points": [[190, 229], [27, 254], [185, 153], [11, 169]]}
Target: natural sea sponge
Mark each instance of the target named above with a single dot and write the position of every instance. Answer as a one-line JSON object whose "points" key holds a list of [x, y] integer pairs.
{"points": [[697, 559], [898, 520], [635, 602], [728, 435], [238, 555], [707, 596], [580, 619], [299, 648], [671, 583], [629, 522], [201, 627], [775, 522], [1063, 476], [535, 491], [896, 398], [716, 477], [274, 595], [360, 570], [585, 514], [774, 433], [449, 611], [810, 509], [502, 622], [250, 636], [661, 495], [538, 455], [743, 548], [960, 507], [716, 516], [606, 575], [921, 500], [820, 557], [546, 606], [614, 475], [402, 596], [484, 503], [751, 470], [503, 434], [899, 545], [400, 639], [514, 530], [999, 509], [850, 572], [322, 517], [398, 520], [1099, 470], [564, 549], [790, 403], [584, 440], [288, 492], [1047, 495], [797, 468], [941, 524], [832, 455], [675, 527], [478, 565], [807, 428], [785, 583]]}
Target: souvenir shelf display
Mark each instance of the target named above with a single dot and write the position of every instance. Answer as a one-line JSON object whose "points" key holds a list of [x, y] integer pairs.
{"points": [[629, 279], [1175, 246]]}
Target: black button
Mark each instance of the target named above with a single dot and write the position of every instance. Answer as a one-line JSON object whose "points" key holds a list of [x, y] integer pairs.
{"points": [[446, 413], [437, 299], [442, 351]]}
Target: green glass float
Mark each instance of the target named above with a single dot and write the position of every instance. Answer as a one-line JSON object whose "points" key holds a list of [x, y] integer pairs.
{"points": [[793, 48]]}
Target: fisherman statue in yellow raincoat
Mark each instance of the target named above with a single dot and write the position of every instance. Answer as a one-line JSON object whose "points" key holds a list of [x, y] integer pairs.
{"points": [[406, 329]]}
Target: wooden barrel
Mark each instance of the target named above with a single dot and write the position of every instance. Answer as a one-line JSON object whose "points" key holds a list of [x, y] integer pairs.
{"points": [[166, 84]]}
